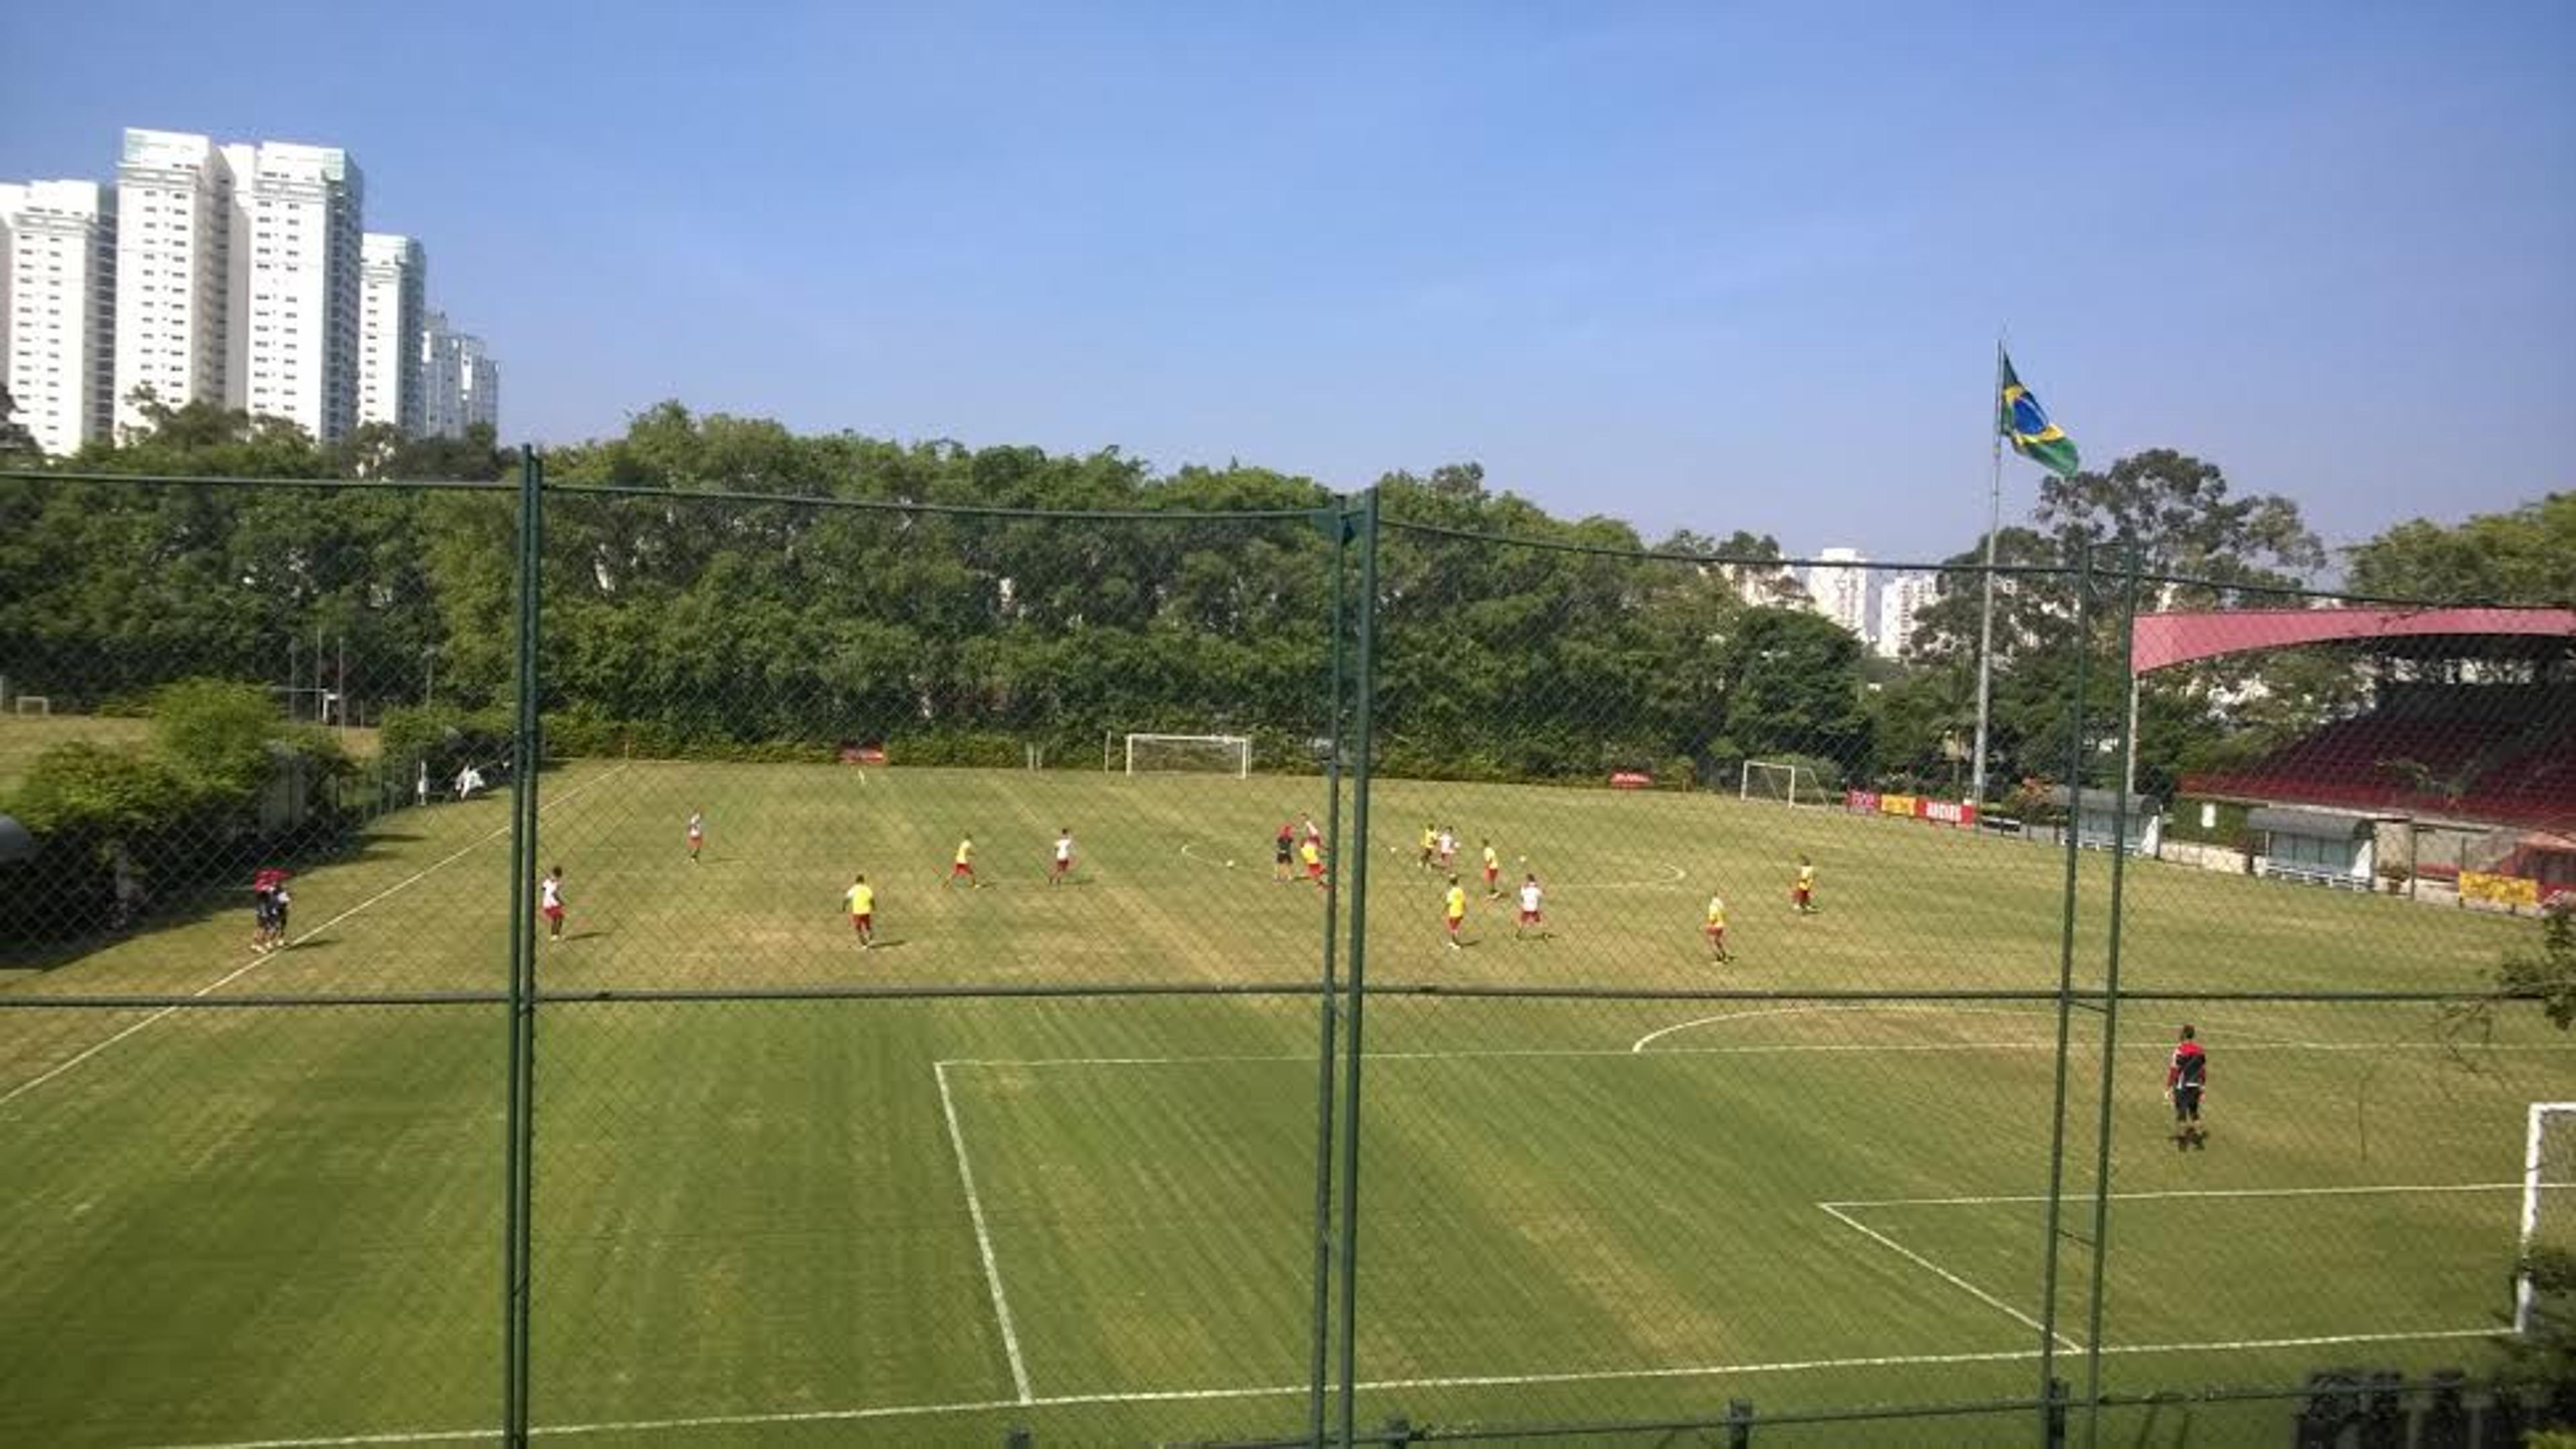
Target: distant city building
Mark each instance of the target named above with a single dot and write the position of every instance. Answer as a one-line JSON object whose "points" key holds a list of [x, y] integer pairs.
{"points": [[1900, 599], [298, 214], [232, 273], [459, 380], [174, 203], [1839, 588], [58, 308], [392, 310]]}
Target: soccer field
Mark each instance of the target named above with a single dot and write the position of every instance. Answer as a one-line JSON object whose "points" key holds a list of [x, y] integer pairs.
{"points": [[930, 1219]]}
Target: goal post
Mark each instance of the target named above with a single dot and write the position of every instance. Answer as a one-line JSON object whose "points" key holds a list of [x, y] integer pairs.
{"points": [[1777, 780], [2548, 1202], [1149, 754]]}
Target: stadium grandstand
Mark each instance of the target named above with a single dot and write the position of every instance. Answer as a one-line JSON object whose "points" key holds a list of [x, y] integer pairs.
{"points": [[2458, 777]]}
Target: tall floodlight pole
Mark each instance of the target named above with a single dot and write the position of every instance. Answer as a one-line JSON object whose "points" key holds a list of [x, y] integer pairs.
{"points": [[1986, 615]]}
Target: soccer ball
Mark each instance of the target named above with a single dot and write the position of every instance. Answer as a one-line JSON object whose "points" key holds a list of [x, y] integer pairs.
{"points": [[1229, 865]]}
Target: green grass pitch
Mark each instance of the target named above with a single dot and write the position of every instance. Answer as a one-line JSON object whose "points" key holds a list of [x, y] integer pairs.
{"points": [[754, 1218]]}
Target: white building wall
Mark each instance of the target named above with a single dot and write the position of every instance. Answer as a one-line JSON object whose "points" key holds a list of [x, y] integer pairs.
{"points": [[481, 384], [173, 253], [1840, 591], [394, 299], [1899, 599], [297, 298], [442, 383], [60, 362]]}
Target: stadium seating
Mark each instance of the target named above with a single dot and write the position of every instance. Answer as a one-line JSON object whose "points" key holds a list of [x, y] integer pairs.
{"points": [[2499, 771]]}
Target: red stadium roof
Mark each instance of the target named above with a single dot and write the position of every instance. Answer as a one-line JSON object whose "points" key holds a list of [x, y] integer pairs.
{"points": [[2168, 639]]}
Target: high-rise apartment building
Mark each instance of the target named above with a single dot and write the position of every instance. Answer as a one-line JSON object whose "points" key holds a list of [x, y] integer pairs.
{"points": [[392, 310], [1840, 589], [296, 284], [1900, 600], [174, 204], [460, 383], [58, 325], [480, 377]]}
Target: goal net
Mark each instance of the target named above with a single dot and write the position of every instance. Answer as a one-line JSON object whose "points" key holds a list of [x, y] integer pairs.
{"points": [[1189, 754], [33, 704], [2544, 1281], [1778, 780]]}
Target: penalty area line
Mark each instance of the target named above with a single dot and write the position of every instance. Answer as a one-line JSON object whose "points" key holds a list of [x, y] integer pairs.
{"points": [[255, 962], [983, 1238], [1272, 1391]]}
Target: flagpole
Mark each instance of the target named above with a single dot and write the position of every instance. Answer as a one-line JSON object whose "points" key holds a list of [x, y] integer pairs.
{"points": [[1986, 616]]}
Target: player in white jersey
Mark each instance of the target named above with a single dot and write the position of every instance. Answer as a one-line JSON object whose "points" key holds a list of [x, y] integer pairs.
{"points": [[1530, 918], [1063, 858]]}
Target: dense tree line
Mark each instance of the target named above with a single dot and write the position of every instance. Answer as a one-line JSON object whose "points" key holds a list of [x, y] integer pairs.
{"points": [[710, 587]]}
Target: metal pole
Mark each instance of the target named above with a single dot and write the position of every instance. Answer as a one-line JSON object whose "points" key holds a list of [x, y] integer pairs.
{"points": [[1319, 1366], [2110, 1025], [1986, 614], [2065, 988], [2129, 731], [1363, 707], [525, 752]]}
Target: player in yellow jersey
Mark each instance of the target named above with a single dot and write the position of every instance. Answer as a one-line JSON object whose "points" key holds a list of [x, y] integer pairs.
{"points": [[1454, 910], [963, 868], [1715, 930], [1311, 851], [1493, 873], [1803, 894], [1430, 845], [861, 898]]}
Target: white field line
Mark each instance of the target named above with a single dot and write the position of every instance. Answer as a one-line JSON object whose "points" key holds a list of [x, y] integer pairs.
{"points": [[2195, 1192], [1944, 1274], [1458, 1381], [255, 962], [1759, 1049], [1641, 1043], [983, 1238]]}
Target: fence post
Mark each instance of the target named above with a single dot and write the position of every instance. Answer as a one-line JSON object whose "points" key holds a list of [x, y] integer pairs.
{"points": [[525, 753], [2053, 1417], [2110, 1009], [1336, 523], [1356, 861], [1739, 1424]]}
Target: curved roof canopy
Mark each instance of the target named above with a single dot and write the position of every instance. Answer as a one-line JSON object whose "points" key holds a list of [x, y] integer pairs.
{"points": [[2163, 640]]}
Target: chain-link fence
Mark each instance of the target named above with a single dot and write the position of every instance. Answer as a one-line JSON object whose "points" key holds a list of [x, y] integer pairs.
{"points": [[830, 958]]}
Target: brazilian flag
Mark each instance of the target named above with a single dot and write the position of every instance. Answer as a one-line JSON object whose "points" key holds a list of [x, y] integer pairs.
{"points": [[2020, 418]]}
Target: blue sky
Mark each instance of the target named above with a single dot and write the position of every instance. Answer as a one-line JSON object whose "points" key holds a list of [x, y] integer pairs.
{"points": [[1694, 266]]}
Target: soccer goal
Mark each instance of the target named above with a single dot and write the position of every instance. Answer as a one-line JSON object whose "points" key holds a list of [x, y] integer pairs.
{"points": [[1778, 780], [1189, 754], [2548, 1208], [35, 704]]}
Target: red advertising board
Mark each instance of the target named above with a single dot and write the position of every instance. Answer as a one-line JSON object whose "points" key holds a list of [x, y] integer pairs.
{"points": [[1914, 807]]}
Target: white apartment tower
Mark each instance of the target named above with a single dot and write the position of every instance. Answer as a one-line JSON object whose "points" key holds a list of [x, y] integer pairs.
{"points": [[391, 313], [174, 203], [58, 308], [295, 285], [459, 381], [442, 387], [1840, 588], [1900, 599], [481, 378]]}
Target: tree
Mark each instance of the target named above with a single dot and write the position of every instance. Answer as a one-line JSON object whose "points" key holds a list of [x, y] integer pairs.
{"points": [[2174, 509], [2527, 556], [1792, 686]]}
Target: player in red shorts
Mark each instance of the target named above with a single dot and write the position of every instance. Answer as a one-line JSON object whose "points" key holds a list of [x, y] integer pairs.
{"points": [[861, 899], [1802, 894], [697, 835], [1063, 863], [1313, 854], [1493, 873], [1531, 917], [1453, 910], [963, 867], [552, 903]]}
